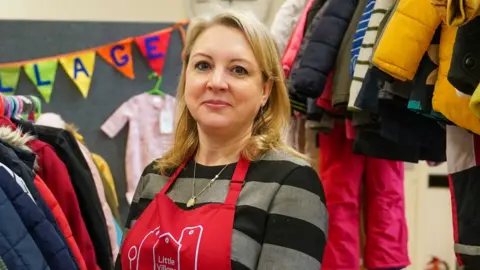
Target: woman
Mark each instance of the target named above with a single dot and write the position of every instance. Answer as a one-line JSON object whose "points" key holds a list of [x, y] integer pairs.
{"points": [[229, 194]]}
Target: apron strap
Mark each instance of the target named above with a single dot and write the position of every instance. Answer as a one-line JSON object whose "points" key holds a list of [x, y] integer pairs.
{"points": [[236, 183], [174, 176]]}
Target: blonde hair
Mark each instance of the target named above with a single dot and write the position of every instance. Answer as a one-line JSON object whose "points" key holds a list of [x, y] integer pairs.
{"points": [[268, 128]]}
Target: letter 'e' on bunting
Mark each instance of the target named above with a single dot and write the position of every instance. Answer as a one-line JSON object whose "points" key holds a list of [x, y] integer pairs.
{"points": [[9, 79], [119, 55], [154, 48], [79, 68], [42, 74]]}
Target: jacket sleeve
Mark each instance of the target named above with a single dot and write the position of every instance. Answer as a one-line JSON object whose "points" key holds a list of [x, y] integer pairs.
{"points": [[406, 38], [323, 47], [296, 228], [285, 21]]}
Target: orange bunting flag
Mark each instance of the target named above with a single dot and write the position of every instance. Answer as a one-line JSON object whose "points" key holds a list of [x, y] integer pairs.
{"points": [[119, 55], [154, 48], [79, 68]]}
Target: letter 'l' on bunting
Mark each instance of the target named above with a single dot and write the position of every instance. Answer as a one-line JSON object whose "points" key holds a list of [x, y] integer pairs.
{"points": [[9, 80], [119, 55], [79, 68], [42, 74], [154, 48]]}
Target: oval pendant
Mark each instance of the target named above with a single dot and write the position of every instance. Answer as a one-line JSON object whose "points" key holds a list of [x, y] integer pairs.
{"points": [[191, 202]]}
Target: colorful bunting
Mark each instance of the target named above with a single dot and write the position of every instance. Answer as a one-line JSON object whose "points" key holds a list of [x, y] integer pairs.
{"points": [[42, 74], [119, 55], [154, 48], [80, 65], [79, 68], [9, 80]]}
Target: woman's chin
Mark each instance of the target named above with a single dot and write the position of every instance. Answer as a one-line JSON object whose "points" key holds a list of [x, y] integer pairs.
{"points": [[215, 124]]}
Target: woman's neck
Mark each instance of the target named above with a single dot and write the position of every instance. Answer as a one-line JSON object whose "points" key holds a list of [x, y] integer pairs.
{"points": [[216, 150]]}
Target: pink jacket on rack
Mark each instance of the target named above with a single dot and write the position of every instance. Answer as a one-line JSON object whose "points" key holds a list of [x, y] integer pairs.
{"points": [[295, 41]]}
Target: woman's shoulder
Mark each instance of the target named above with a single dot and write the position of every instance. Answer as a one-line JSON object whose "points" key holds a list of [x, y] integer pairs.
{"points": [[282, 164], [150, 182], [283, 158]]}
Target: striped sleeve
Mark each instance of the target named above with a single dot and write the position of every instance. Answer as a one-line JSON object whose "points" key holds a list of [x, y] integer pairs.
{"points": [[296, 229], [362, 62]]}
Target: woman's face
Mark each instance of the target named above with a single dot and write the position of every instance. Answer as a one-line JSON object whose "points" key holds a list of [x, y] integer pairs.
{"points": [[224, 88]]}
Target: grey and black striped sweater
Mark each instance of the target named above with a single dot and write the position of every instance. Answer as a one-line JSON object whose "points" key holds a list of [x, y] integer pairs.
{"points": [[280, 220]]}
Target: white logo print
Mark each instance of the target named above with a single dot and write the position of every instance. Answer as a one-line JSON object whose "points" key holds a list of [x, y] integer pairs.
{"points": [[167, 253]]}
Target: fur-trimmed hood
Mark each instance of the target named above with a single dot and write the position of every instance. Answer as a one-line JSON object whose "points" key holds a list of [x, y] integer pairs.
{"points": [[55, 120], [16, 138]]}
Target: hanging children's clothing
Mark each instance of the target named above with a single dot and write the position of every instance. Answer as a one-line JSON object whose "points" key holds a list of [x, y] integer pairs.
{"points": [[150, 133], [342, 173]]}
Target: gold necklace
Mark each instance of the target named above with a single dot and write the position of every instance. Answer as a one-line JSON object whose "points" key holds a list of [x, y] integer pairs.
{"points": [[191, 202]]}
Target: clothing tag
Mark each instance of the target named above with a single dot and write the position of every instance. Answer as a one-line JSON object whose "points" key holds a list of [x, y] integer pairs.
{"points": [[166, 122]]}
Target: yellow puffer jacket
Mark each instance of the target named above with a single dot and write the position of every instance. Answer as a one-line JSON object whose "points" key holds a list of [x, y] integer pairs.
{"points": [[457, 12], [406, 38], [445, 99]]}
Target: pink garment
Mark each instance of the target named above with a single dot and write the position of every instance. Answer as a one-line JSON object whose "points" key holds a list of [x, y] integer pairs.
{"points": [[342, 173], [295, 41], [146, 115], [107, 212]]}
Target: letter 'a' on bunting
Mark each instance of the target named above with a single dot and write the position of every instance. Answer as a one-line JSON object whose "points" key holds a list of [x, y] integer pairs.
{"points": [[119, 55], [42, 74], [154, 48], [9, 80], [79, 68]]}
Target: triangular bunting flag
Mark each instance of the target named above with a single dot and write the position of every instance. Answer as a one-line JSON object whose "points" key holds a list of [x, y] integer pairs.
{"points": [[79, 68], [9, 80], [154, 48], [42, 74], [119, 55]]}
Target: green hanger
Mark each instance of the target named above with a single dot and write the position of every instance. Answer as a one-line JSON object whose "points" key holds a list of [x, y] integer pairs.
{"points": [[156, 89]]}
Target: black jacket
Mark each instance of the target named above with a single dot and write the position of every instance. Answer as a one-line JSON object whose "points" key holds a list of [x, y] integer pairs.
{"points": [[464, 73]]}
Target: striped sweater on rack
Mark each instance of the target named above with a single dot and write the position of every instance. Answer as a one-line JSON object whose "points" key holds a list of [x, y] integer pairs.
{"points": [[360, 34], [366, 51]]}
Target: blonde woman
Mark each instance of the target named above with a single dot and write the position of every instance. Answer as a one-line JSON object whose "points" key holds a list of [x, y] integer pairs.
{"points": [[229, 194]]}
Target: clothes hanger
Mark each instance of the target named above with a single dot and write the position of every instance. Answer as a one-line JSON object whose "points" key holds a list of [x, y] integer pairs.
{"points": [[38, 106], [156, 89]]}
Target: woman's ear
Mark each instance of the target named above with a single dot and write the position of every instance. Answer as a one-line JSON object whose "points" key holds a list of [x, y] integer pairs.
{"points": [[267, 90]]}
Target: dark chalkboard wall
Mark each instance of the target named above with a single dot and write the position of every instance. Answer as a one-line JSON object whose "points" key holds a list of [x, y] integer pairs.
{"points": [[25, 40]]}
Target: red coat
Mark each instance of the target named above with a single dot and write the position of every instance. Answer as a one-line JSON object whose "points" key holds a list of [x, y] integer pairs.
{"points": [[61, 220], [55, 174]]}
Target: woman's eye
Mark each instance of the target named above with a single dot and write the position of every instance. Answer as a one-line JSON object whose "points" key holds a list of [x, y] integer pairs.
{"points": [[202, 66], [239, 70]]}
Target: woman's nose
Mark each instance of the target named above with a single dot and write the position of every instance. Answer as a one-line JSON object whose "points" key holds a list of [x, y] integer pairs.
{"points": [[217, 80]]}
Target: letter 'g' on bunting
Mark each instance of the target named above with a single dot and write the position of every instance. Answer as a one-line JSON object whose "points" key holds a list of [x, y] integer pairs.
{"points": [[154, 48], [42, 74], [79, 68], [9, 80], [119, 55]]}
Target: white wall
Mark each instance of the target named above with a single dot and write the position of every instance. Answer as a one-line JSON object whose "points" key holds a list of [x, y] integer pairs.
{"points": [[101, 10]]}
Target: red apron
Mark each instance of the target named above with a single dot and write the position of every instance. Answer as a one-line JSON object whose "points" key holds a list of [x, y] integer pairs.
{"points": [[166, 237]]}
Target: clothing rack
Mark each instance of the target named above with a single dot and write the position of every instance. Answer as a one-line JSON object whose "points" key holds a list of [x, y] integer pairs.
{"points": [[27, 106]]}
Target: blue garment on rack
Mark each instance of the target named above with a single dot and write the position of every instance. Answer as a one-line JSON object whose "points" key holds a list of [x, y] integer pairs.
{"points": [[17, 248], [54, 250]]}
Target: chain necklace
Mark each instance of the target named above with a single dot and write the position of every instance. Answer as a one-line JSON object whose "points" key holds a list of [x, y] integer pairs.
{"points": [[191, 202]]}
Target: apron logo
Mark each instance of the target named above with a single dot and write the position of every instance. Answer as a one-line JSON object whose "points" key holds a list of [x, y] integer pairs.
{"points": [[161, 251]]}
